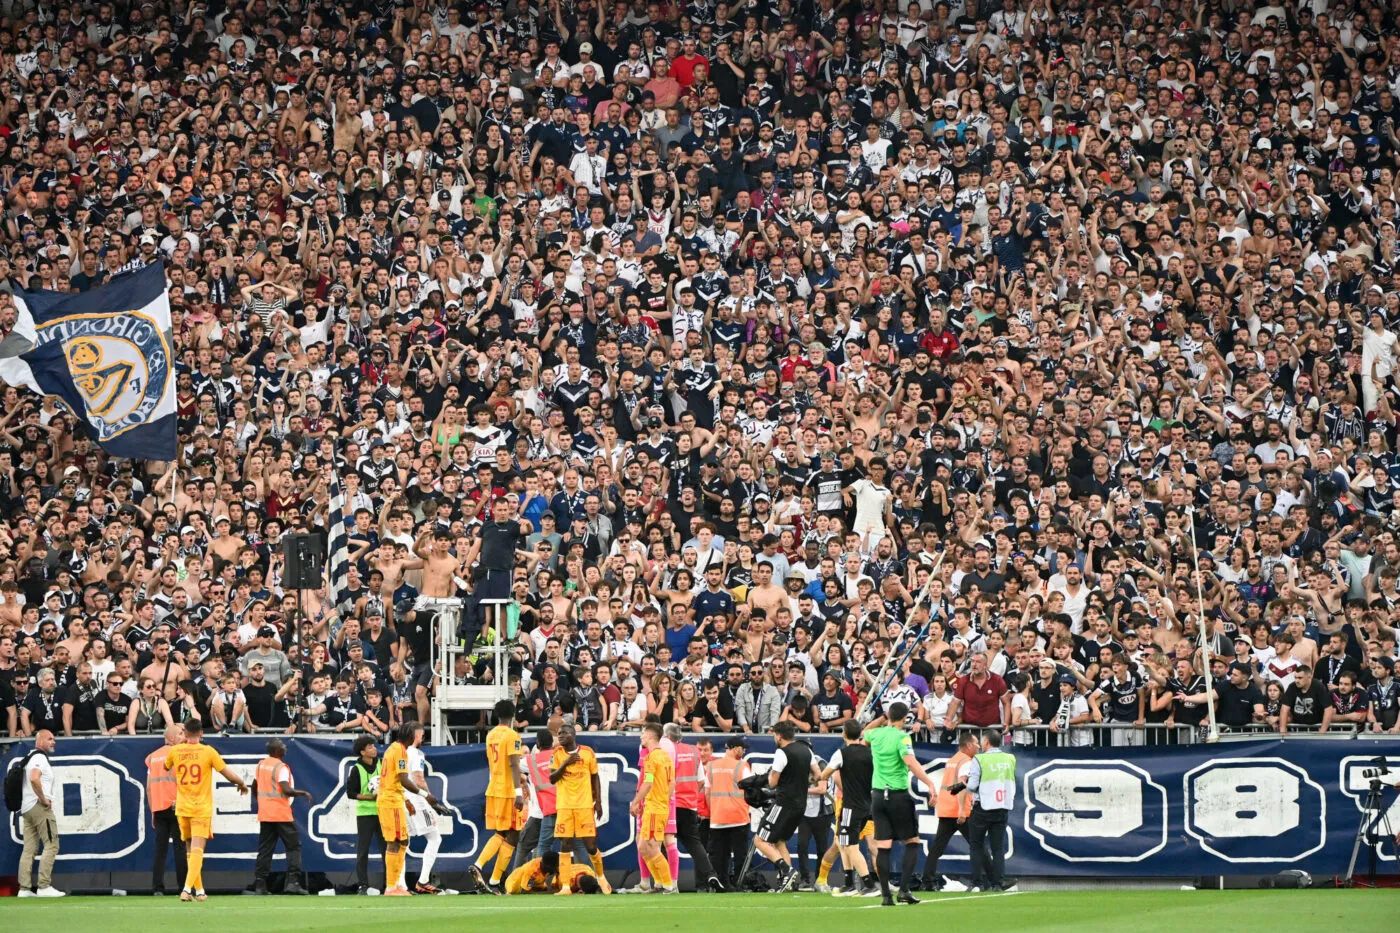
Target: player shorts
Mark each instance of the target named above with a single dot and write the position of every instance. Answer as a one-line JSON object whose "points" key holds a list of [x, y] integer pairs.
{"points": [[852, 826], [393, 822], [652, 826], [502, 816], [779, 823], [196, 827], [894, 814], [421, 821], [575, 823]]}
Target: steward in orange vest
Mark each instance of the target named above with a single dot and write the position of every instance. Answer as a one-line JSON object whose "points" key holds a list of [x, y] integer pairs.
{"points": [[274, 795], [953, 809], [729, 814], [160, 791]]}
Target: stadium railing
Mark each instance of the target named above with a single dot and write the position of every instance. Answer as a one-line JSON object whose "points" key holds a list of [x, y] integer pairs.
{"points": [[1099, 735]]}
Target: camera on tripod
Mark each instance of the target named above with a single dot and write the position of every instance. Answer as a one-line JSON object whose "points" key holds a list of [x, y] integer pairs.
{"points": [[1375, 774]]}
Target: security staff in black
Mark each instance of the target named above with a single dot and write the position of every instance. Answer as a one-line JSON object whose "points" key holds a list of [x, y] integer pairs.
{"points": [[854, 769], [362, 786], [991, 778], [495, 550], [793, 773]]}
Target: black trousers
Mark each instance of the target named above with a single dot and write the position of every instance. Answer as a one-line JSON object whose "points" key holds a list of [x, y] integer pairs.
{"points": [[987, 837], [268, 834], [948, 826], [529, 841], [812, 828], [167, 832], [728, 846], [493, 584], [366, 832], [688, 835]]}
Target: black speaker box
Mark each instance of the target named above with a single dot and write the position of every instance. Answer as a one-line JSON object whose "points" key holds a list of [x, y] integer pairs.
{"points": [[304, 557]]}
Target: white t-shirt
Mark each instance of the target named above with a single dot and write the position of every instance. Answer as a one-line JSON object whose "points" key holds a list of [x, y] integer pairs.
{"points": [[870, 505], [417, 762], [29, 800], [1078, 736], [1280, 671]]}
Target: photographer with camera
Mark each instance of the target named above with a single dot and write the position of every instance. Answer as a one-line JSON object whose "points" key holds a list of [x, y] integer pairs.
{"points": [[793, 772]]}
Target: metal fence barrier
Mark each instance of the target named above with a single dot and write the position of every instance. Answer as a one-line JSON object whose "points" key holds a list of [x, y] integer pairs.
{"points": [[1093, 735]]}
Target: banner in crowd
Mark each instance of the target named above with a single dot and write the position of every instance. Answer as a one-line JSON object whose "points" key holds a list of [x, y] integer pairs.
{"points": [[105, 355], [1239, 808]]}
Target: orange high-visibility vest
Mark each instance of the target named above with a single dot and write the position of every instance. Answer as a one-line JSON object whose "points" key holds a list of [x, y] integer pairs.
{"points": [[687, 777], [727, 806], [273, 807], [160, 783], [949, 804], [546, 793]]}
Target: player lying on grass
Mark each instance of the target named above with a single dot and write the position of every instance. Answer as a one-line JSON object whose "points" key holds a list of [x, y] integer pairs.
{"points": [[543, 876]]}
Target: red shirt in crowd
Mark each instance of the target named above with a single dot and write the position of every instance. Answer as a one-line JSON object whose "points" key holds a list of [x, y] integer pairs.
{"points": [[981, 703]]}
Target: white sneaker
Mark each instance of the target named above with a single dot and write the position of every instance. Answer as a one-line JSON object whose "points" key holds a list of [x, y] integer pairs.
{"points": [[953, 885], [823, 888], [26, 892], [673, 889], [50, 891]]}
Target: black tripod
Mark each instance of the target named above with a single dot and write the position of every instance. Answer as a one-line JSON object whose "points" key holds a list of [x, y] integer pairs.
{"points": [[1374, 818]]}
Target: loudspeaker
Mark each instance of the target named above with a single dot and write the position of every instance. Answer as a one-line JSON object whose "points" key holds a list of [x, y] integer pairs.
{"points": [[303, 557]]}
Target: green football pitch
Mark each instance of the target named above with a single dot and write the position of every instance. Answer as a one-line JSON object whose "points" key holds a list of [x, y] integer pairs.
{"points": [[1122, 911]]}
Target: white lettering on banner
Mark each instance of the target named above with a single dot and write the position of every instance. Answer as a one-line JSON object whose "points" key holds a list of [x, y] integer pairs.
{"points": [[100, 784], [1357, 787], [613, 767], [331, 822], [235, 814], [1068, 800], [1255, 798], [928, 819]]}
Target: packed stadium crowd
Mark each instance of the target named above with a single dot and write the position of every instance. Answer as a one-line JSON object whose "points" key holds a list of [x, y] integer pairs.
{"points": [[740, 348]]}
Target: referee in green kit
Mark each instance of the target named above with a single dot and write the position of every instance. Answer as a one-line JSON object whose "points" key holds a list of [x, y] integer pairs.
{"points": [[891, 804]]}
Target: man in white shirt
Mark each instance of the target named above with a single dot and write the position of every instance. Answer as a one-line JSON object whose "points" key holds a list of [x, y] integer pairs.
{"points": [[874, 505], [589, 168], [38, 823]]}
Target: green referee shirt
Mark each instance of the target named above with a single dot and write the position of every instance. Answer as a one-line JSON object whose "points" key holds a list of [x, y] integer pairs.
{"points": [[888, 746]]}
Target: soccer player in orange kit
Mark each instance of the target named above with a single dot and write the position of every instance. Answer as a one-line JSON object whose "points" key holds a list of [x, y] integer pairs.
{"points": [[193, 765], [653, 805]]}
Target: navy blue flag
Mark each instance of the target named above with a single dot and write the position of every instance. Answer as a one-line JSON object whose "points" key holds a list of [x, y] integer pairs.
{"points": [[107, 356]]}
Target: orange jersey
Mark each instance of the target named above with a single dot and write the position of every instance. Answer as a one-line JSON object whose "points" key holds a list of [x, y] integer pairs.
{"points": [[529, 878], [194, 767], [395, 767], [662, 773], [502, 743], [576, 786]]}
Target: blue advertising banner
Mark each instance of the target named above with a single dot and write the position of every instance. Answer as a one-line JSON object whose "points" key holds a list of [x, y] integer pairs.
{"points": [[1252, 807]]}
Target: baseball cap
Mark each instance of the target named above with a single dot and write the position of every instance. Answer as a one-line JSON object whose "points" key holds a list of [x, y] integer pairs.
{"points": [[1065, 679], [585, 48], [267, 631]]}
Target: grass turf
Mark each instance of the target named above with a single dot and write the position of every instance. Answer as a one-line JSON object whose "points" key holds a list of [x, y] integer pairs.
{"points": [[1126, 911]]}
